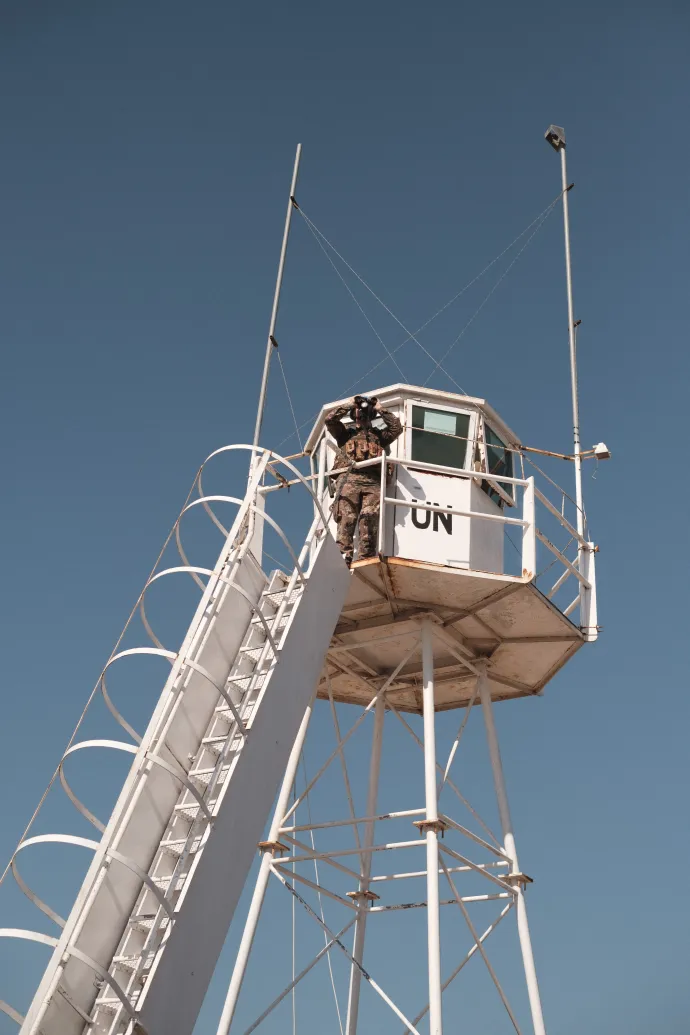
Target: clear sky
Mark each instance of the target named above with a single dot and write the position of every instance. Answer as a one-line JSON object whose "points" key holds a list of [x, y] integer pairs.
{"points": [[146, 154]]}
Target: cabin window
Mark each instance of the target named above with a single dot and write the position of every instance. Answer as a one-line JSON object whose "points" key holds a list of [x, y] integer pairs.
{"points": [[439, 437], [499, 461]]}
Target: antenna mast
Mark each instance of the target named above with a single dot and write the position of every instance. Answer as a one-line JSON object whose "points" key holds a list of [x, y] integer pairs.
{"points": [[555, 135], [271, 343]]}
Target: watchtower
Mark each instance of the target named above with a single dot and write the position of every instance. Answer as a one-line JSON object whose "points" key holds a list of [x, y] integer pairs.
{"points": [[438, 621], [453, 489], [468, 602]]}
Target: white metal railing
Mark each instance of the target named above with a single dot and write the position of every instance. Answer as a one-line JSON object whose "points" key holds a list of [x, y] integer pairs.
{"points": [[581, 568], [238, 541]]}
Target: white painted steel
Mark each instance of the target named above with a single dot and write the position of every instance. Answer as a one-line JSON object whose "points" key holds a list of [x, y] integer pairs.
{"points": [[228, 580], [572, 343], [373, 984], [422, 873], [218, 873], [287, 665], [140, 816], [465, 528], [353, 729], [588, 594], [509, 845], [446, 520], [480, 947], [346, 782], [559, 517], [339, 852], [361, 924], [572, 347], [276, 299], [303, 973], [262, 879], [564, 560], [529, 531], [356, 819], [418, 465], [432, 860], [320, 483], [463, 963], [460, 513]]}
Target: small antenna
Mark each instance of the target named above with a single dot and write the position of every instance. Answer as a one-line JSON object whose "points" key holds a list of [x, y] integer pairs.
{"points": [[271, 343], [555, 135]]}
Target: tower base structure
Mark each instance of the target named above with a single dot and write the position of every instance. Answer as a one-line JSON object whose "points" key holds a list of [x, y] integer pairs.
{"points": [[346, 871]]}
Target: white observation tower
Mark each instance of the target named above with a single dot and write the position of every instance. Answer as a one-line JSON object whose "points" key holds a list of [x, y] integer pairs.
{"points": [[443, 619]]}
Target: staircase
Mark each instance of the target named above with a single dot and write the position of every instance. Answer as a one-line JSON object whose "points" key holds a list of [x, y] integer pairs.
{"points": [[189, 826], [158, 899]]}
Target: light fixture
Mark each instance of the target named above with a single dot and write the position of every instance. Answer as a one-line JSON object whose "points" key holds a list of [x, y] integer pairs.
{"points": [[601, 451]]}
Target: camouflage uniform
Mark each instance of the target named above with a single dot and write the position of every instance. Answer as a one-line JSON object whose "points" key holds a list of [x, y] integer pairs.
{"points": [[357, 492]]}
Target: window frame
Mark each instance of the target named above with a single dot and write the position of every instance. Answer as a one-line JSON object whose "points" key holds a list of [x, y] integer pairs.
{"points": [[505, 492], [442, 408]]}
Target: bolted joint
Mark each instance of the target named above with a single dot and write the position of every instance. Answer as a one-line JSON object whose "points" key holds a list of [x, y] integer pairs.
{"points": [[520, 879], [439, 825], [362, 896], [274, 847]]}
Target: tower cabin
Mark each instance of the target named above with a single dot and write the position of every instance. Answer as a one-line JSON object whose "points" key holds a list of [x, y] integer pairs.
{"points": [[452, 493]]}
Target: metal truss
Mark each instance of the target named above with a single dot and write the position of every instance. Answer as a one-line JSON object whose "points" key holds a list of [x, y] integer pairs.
{"points": [[453, 852]]}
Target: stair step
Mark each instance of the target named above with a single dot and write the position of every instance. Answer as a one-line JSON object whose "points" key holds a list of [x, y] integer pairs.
{"points": [[253, 653], [274, 626], [218, 743], [203, 776], [190, 811], [243, 682], [276, 596], [144, 921], [164, 882], [223, 712], [177, 846], [111, 1004], [132, 962]]}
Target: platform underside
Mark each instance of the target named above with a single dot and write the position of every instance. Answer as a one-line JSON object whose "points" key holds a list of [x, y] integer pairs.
{"points": [[505, 619]]}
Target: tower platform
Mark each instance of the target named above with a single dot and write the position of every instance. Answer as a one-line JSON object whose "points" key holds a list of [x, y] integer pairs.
{"points": [[504, 619]]}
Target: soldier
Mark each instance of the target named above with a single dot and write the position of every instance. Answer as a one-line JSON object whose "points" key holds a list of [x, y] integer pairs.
{"points": [[357, 491]]}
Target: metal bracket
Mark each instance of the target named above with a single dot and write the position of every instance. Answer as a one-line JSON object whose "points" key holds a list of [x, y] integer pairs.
{"points": [[368, 896], [517, 878], [439, 825], [274, 847]]}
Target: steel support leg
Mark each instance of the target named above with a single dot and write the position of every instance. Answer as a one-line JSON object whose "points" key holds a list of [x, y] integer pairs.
{"points": [[510, 850], [262, 879], [433, 918], [362, 901]]}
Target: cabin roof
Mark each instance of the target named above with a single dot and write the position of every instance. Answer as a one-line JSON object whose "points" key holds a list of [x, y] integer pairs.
{"points": [[392, 392]]}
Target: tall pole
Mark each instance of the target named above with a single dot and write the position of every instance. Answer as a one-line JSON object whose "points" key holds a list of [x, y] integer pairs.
{"points": [[555, 135], [511, 852], [431, 827], [271, 341], [263, 877], [363, 895]]}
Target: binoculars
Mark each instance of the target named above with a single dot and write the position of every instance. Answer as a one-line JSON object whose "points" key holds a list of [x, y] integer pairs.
{"points": [[362, 403]]}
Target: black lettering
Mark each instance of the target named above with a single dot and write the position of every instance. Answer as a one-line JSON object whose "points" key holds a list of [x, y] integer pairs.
{"points": [[445, 519], [415, 520]]}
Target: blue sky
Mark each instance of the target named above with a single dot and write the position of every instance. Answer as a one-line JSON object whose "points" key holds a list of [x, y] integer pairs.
{"points": [[147, 150]]}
